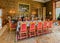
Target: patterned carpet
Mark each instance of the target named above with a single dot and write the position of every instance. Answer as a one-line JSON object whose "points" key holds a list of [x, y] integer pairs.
{"points": [[53, 37]]}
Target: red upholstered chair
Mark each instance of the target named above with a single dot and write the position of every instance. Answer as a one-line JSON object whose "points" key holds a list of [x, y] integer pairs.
{"points": [[50, 24], [24, 19], [20, 19], [12, 26], [28, 19], [23, 31], [45, 30], [32, 31], [39, 28]]}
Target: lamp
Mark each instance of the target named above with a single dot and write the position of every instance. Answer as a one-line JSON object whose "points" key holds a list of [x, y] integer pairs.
{"points": [[49, 13], [12, 11], [33, 12]]}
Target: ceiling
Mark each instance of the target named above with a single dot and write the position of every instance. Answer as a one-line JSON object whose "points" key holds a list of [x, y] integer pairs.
{"points": [[58, 4], [42, 0]]}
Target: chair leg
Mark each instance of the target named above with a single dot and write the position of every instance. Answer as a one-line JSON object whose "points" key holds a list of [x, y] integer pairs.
{"points": [[44, 31], [49, 30], [39, 32], [22, 36], [31, 35]]}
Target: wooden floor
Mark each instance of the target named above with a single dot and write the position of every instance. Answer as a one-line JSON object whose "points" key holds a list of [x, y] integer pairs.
{"points": [[53, 37]]}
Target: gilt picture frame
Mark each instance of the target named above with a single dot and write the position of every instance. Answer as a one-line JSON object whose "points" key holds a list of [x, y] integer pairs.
{"points": [[24, 9]]}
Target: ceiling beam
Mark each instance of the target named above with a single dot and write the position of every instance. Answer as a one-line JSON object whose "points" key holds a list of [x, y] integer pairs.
{"points": [[43, 1], [57, 0]]}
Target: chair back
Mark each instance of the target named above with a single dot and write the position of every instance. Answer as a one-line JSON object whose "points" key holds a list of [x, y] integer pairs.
{"points": [[39, 26], [12, 25], [45, 24], [32, 26], [23, 27], [20, 19], [50, 24]]}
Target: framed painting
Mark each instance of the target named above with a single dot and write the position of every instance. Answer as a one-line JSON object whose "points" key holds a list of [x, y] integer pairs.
{"points": [[24, 9]]}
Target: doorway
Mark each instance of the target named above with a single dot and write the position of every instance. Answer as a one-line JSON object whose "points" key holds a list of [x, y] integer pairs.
{"points": [[0, 18]]}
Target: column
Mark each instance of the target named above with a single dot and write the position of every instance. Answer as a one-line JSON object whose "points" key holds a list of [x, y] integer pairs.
{"points": [[44, 13], [54, 9]]}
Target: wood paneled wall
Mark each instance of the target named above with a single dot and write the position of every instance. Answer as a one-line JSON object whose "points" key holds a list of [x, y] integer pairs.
{"points": [[7, 5], [48, 6]]}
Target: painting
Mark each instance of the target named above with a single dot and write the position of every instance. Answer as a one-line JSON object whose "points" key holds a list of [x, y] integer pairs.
{"points": [[24, 9]]}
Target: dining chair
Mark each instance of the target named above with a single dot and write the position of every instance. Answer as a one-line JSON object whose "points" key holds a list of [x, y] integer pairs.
{"points": [[23, 31], [45, 29], [12, 26], [32, 29], [50, 25], [39, 28]]}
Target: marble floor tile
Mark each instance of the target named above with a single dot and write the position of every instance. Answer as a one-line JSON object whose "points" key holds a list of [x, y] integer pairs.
{"points": [[53, 37]]}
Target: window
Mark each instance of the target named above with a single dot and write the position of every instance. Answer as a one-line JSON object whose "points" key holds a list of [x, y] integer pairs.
{"points": [[57, 12]]}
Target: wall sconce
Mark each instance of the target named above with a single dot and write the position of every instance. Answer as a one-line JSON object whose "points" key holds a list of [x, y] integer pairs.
{"points": [[33, 12], [12, 12], [49, 13]]}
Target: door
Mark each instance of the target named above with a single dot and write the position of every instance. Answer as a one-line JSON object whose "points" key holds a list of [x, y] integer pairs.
{"points": [[0, 18]]}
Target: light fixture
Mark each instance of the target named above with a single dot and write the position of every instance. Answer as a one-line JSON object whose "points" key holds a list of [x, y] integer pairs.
{"points": [[12, 11], [33, 12], [49, 13]]}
